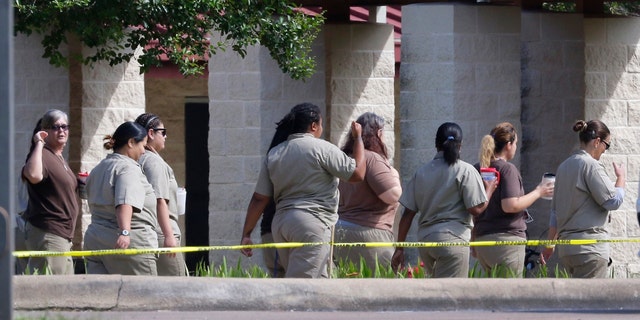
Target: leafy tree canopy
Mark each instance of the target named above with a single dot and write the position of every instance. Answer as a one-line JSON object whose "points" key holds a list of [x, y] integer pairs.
{"points": [[179, 29], [623, 8]]}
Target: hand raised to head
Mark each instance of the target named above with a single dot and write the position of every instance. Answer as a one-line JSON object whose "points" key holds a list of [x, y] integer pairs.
{"points": [[356, 130]]}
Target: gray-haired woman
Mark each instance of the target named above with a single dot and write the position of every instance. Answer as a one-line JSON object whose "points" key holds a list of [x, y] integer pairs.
{"points": [[53, 202]]}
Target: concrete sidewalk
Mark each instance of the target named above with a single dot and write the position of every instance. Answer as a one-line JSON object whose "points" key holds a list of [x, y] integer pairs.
{"points": [[143, 293]]}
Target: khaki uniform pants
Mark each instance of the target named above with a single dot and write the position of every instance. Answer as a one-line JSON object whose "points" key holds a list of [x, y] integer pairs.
{"points": [[585, 266], [100, 237], [168, 265], [300, 226], [507, 260], [444, 262], [39, 240], [349, 233]]}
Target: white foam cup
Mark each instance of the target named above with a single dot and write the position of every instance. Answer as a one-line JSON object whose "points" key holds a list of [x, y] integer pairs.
{"points": [[182, 200], [548, 177]]}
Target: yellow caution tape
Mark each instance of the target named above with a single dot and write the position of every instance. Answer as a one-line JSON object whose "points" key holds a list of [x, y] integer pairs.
{"points": [[87, 253]]}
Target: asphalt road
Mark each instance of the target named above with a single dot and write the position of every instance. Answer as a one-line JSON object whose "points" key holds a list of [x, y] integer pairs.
{"points": [[283, 315]]}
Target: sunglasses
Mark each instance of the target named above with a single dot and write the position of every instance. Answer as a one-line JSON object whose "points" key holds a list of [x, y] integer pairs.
{"points": [[63, 127], [163, 131], [606, 145]]}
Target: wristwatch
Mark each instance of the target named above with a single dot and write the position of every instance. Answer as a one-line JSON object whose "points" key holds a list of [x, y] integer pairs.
{"points": [[124, 233]]}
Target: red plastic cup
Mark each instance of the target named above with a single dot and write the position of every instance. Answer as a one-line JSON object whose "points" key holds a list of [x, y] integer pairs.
{"points": [[82, 176]]}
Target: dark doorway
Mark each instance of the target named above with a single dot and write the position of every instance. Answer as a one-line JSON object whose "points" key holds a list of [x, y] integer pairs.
{"points": [[196, 123]]}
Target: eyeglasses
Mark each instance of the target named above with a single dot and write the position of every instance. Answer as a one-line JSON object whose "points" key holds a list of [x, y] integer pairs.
{"points": [[63, 127], [606, 145], [163, 131]]}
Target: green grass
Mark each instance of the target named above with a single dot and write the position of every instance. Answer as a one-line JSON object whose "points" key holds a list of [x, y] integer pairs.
{"points": [[226, 271], [360, 270]]}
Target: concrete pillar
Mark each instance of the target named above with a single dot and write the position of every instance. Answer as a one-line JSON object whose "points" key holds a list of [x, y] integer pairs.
{"points": [[111, 95], [612, 77], [360, 70], [552, 100], [246, 98], [102, 98], [459, 63]]}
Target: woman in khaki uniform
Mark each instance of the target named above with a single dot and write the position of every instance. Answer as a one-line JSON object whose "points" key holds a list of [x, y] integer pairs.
{"points": [[447, 192], [583, 197], [161, 177], [123, 207], [301, 173]]}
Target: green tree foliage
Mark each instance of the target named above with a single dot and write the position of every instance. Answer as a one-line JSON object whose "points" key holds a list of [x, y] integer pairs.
{"points": [[560, 6], [622, 8], [179, 29]]}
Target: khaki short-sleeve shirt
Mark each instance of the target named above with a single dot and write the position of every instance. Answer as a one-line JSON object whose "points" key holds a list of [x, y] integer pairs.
{"points": [[117, 180], [302, 173], [442, 194], [582, 186], [162, 179]]}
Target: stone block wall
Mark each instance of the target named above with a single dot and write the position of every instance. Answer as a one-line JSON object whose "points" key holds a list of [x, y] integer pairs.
{"points": [[459, 64], [110, 95], [552, 100], [360, 73], [612, 77], [39, 87]]}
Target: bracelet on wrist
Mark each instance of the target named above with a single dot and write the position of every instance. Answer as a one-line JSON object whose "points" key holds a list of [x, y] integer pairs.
{"points": [[550, 246]]}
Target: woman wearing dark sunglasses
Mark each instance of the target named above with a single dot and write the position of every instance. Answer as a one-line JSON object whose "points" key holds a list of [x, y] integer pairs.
{"points": [[583, 197], [53, 202], [161, 177], [123, 207]]}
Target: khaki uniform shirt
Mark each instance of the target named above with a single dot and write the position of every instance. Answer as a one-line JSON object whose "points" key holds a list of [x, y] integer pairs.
{"points": [[118, 180], [442, 193], [582, 186], [302, 173], [161, 177]]}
